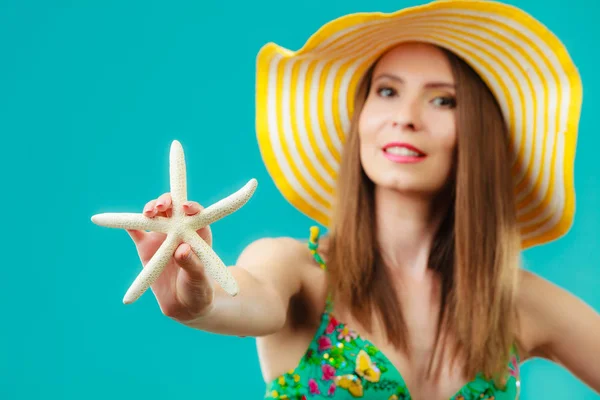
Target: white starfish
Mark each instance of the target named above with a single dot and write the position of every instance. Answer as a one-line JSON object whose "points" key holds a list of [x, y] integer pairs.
{"points": [[180, 228]]}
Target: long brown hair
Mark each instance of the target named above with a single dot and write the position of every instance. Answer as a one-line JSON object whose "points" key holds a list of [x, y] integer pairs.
{"points": [[475, 251]]}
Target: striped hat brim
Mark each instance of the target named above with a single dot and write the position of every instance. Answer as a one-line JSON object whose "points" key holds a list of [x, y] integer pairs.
{"points": [[304, 101]]}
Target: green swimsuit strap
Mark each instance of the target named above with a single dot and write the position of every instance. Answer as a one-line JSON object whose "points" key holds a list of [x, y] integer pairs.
{"points": [[313, 246]]}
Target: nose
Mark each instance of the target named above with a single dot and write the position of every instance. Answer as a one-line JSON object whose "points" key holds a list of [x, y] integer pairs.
{"points": [[406, 115], [405, 126]]}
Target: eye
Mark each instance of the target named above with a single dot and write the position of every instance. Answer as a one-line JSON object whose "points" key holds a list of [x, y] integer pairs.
{"points": [[445, 101], [386, 91]]}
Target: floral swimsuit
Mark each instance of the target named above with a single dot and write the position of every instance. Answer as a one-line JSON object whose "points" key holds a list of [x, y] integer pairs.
{"points": [[340, 365]]}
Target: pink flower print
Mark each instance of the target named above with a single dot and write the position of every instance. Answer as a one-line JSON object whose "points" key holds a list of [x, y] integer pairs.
{"points": [[514, 367], [313, 387], [347, 335], [328, 372], [324, 343], [331, 390], [333, 323]]}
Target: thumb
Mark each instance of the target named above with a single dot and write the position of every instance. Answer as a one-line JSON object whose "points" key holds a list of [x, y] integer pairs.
{"points": [[190, 263]]}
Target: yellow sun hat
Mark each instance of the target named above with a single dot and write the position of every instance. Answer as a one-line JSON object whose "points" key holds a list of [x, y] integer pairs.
{"points": [[304, 101]]}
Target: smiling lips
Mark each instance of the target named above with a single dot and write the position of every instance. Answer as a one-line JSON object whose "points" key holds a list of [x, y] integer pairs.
{"points": [[403, 153]]}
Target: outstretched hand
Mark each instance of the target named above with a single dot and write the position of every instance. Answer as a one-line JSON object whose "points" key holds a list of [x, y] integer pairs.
{"points": [[183, 290]]}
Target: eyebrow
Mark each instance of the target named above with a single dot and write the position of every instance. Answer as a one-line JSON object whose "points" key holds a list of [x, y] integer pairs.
{"points": [[427, 85]]}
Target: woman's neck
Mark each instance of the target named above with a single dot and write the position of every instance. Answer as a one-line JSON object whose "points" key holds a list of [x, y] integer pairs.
{"points": [[406, 226]]}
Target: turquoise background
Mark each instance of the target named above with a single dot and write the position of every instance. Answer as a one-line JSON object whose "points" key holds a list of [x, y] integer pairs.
{"points": [[91, 95]]}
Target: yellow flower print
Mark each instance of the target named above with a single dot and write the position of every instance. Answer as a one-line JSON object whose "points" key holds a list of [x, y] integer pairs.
{"points": [[351, 383], [366, 368]]}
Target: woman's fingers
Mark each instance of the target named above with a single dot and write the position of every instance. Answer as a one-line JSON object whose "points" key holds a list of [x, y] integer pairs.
{"points": [[149, 208], [163, 203], [163, 206], [159, 207], [192, 207]]}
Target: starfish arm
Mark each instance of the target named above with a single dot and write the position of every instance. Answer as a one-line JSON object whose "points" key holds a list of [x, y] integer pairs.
{"points": [[131, 221], [212, 263], [152, 270], [177, 175], [223, 207]]}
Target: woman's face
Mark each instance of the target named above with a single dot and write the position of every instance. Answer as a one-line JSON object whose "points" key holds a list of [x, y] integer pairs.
{"points": [[407, 125]]}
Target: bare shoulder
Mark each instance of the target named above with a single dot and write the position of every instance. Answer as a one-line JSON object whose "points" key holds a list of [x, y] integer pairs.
{"points": [[287, 265], [282, 247], [278, 262]]}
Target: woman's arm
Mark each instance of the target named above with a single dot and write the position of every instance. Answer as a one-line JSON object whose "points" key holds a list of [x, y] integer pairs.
{"points": [[268, 275], [561, 328]]}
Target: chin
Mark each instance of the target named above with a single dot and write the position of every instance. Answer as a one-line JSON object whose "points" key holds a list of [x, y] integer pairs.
{"points": [[408, 190], [421, 184], [423, 179]]}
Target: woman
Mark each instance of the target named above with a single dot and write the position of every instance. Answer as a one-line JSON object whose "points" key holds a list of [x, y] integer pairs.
{"points": [[451, 164]]}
